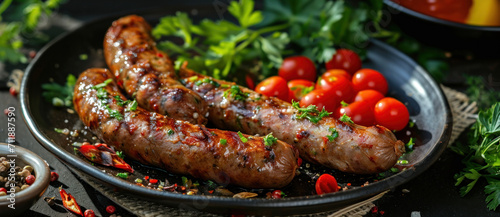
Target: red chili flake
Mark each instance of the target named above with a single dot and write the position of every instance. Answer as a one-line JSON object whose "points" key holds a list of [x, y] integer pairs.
{"points": [[54, 176], [382, 212], [30, 179], [159, 54], [32, 54], [276, 194], [146, 177], [120, 83], [110, 209], [6, 111], [183, 188], [13, 91], [211, 191], [374, 209], [325, 140], [153, 181], [349, 184], [299, 161]]}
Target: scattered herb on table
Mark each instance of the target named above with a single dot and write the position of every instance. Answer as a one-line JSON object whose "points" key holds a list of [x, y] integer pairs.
{"points": [[482, 158], [56, 93], [479, 92]]}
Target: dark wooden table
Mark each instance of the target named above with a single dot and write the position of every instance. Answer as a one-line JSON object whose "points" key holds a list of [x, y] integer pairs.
{"points": [[431, 194]]}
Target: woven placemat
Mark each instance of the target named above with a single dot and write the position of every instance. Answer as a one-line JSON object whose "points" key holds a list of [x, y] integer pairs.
{"points": [[464, 114]]}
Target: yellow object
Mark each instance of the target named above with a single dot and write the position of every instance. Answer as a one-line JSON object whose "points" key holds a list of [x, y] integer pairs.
{"points": [[484, 13]]}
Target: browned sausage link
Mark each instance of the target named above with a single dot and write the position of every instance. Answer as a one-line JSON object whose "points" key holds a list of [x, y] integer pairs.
{"points": [[147, 73], [178, 146], [357, 149]]}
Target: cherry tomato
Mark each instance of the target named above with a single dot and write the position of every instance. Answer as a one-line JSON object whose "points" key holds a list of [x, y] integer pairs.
{"points": [[337, 86], [250, 82], [345, 59], [336, 72], [365, 79], [89, 213], [110, 209], [273, 86], [54, 176], [321, 99], [30, 179], [326, 183], [297, 67], [359, 112], [299, 88], [276, 194], [371, 97], [391, 113]]}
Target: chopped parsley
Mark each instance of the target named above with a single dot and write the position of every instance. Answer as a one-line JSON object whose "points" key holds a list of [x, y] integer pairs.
{"points": [[243, 139], [114, 113], [103, 84], [132, 106], [346, 119], [58, 94], [170, 132], [310, 112], [192, 78], [409, 145], [223, 141], [120, 101], [120, 154], [207, 81], [269, 139], [236, 93], [122, 175], [334, 135]]}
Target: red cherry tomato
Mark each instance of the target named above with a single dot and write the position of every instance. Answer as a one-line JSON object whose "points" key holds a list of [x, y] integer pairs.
{"points": [[110, 209], [89, 213], [273, 86], [326, 183], [335, 73], [299, 88], [321, 100], [30, 179], [276, 194], [366, 79], [339, 87], [359, 112], [297, 67], [54, 176], [345, 59], [371, 97], [391, 113]]}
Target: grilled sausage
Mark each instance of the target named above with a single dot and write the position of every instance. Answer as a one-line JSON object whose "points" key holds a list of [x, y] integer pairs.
{"points": [[147, 73], [357, 149], [178, 146]]}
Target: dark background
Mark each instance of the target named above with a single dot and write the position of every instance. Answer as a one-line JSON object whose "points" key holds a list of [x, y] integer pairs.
{"points": [[432, 193]]}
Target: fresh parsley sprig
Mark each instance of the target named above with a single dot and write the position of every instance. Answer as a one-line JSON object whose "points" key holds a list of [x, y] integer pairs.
{"points": [[482, 156], [269, 140], [311, 112]]}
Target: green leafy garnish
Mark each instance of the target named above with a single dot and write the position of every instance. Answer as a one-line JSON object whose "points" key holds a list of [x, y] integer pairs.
{"points": [[170, 132], [223, 141], [114, 113], [122, 175], [310, 112], [346, 119], [207, 81], [132, 106], [482, 158], [269, 140], [409, 145], [56, 93], [236, 93], [120, 101], [479, 92], [120, 154], [243, 139], [334, 134], [103, 84]]}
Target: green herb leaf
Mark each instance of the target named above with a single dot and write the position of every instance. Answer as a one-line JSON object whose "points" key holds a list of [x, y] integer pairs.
{"points": [[311, 112], [243, 139], [132, 106], [334, 134], [60, 95], [223, 141], [122, 175], [103, 84], [170, 132], [243, 11], [236, 93], [269, 140], [120, 154], [409, 145], [346, 119]]}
